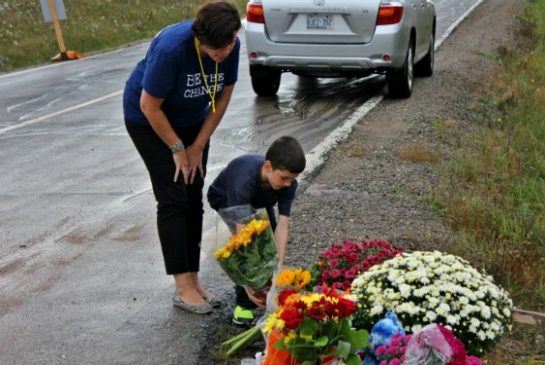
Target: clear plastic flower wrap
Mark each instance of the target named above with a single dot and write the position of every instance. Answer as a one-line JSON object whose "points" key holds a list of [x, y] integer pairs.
{"points": [[436, 345], [249, 257]]}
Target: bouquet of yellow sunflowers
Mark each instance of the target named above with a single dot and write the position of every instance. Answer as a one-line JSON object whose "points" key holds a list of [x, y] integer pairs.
{"points": [[250, 256]]}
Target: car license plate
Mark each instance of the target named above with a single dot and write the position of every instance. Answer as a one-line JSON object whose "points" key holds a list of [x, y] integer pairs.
{"points": [[320, 21]]}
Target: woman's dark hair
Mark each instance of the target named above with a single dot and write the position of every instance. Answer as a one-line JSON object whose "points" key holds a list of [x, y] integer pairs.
{"points": [[286, 153], [216, 24]]}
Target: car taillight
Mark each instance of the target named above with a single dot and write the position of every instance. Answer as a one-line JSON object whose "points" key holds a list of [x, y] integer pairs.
{"points": [[389, 15], [254, 13]]}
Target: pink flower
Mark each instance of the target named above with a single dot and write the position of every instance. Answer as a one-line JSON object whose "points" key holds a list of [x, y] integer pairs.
{"points": [[473, 360]]}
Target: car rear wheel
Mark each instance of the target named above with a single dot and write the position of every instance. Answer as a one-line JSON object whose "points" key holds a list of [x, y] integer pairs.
{"points": [[265, 80], [400, 83], [424, 67]]}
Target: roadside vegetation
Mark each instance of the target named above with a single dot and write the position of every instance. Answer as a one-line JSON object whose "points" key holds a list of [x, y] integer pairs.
{"points": [[493, 188], [91, 26]]}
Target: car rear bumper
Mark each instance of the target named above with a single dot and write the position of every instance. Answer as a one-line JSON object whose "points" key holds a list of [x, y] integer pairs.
{"points": [[329, 58]]}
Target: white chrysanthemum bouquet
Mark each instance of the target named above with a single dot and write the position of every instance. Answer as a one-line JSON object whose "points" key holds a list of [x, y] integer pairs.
{"points": [[433, 287]]}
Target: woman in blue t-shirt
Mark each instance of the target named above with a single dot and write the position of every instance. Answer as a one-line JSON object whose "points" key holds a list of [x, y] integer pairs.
{"points": [[173, 101]]}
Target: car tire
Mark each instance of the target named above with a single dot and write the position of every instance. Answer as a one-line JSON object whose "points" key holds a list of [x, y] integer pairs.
{"points": [[400, 82], [424, 67], [265, 80]]}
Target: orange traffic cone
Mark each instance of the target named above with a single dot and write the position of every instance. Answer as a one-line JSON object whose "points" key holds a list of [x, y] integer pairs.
{"points": [[66, 56]]}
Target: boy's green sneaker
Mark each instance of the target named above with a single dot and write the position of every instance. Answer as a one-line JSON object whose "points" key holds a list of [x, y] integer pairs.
{"points": [[243, 317]]}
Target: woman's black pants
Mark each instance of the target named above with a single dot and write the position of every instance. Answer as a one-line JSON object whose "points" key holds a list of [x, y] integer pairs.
{"points": [[179, 206]]}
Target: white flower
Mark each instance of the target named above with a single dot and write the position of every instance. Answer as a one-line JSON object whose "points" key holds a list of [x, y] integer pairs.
{"points": [[425, 280], [475, 322], [405, 290], [452, 319], [480, 294], [431, 316], [485, 312], [433, 302], [376, 310], [463, 300]]}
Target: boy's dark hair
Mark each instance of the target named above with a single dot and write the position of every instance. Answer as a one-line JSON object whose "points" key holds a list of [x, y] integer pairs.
{"points": [[286, 154], [215, 24]]}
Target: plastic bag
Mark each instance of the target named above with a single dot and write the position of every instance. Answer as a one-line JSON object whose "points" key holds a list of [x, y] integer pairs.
{"points": [[239, 215], [436, 345]]}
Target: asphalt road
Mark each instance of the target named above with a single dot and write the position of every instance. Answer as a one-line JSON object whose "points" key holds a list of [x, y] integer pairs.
{"points": [[81, 273]]}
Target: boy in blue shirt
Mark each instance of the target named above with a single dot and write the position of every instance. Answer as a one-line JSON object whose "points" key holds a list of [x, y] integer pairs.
{"points": [[262, 182]]}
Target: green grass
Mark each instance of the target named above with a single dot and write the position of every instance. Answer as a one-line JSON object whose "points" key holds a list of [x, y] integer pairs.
{"points": [[91, 26], [493, 187]]}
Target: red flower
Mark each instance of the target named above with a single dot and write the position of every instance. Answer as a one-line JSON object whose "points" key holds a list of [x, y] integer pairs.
{"points": [[350, 274], [341, 263], [318, 310], [291, 317], [346, 307], [285, 294]]}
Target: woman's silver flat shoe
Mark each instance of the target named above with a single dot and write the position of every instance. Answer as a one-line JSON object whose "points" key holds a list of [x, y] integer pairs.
{"points": [[203, 308], [213, 301]]}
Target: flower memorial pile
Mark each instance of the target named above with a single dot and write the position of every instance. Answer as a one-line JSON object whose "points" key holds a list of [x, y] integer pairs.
{"points": [[432, 287], [311, 327], [250, 257], [339, 265]]}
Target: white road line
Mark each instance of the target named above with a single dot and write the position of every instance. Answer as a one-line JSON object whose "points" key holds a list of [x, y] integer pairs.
{"points": [[453, 26], [62, 111]]}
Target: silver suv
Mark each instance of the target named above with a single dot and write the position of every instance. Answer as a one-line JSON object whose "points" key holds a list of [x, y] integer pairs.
{"points": [[335, 38]]}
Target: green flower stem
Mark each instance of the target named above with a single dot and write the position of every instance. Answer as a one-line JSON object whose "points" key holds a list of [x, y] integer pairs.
{"points": [[241, 341]]}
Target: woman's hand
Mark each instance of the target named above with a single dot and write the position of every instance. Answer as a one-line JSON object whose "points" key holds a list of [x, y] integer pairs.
{"points": [[194, 161], [181, 164]]}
